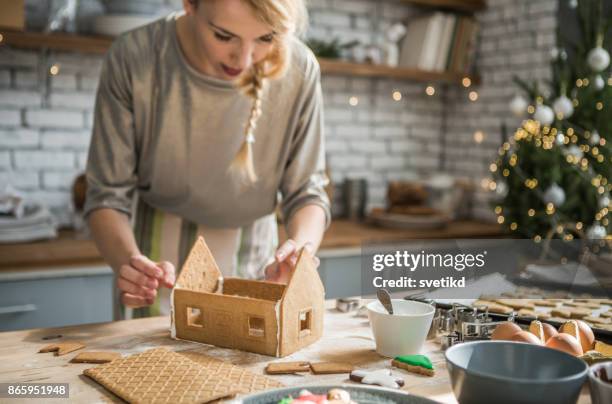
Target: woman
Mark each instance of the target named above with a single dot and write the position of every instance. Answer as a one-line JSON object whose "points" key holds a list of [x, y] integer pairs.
{"points": [[212, 116]]}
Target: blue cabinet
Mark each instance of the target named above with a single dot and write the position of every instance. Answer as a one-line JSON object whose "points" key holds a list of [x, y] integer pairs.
{"points": [[55, 297], [340, 272]]}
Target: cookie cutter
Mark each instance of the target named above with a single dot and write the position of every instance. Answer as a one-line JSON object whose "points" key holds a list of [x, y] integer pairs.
{"points": [[461, 323], [347, 305]]}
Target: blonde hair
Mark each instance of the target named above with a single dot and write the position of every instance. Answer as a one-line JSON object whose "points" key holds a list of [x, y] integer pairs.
{"points": [[288, 19]]}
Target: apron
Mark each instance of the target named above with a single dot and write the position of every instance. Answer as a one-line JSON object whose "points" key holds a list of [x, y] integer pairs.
{"points": [[239, 252]]}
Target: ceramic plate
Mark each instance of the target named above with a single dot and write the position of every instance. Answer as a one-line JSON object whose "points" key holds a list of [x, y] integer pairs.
{"points": [[360, 394]]}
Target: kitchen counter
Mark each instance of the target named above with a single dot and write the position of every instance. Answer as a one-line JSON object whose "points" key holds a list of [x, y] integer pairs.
{"points": [[67, 250], [346, 338]]}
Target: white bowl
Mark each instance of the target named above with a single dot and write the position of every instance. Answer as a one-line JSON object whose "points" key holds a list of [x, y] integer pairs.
{"points": [[601, 392], [402, 333], [116, 24]]}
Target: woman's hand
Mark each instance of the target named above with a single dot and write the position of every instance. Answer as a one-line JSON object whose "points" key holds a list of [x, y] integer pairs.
{"points": [[139, 280], [285, 259]]}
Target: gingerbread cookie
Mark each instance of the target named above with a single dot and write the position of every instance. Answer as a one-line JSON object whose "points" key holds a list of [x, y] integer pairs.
{"points": [[597, 320], [584, 305], [493, 307], [95, 357], [606, 314], [563, 313], [62, 348], [516, 303], [279, 368], [603, 348], [545, 303], [580, 313], [381, 377], [419, 364], [325, 368], [527, 313]]}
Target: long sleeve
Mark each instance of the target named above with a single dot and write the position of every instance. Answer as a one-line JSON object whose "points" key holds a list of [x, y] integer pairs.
{"points": [[304, 178], [112, 161]]}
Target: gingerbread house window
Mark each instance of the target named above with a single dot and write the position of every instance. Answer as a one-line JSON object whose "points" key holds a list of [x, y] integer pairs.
{"points": [[256, 326], [194, 317], [305, 321]]}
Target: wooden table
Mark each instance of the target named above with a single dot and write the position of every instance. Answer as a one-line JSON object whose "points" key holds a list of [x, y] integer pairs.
{"points": [[346, 338]]}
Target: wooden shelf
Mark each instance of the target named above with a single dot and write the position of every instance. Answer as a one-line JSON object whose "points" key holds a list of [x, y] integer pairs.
{"points": [[330, 66], [100, 44], [457, 5], [55, 41]]}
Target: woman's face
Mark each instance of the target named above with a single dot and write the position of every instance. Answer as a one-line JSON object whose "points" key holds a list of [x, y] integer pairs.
{"points": [[228, 35]]}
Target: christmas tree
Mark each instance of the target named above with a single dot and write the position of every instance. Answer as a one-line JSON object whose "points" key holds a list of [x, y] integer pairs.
{"points": [[553, 176]]}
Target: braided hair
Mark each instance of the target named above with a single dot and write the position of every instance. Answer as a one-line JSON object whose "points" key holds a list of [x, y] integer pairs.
{"points": [[288, 18]]}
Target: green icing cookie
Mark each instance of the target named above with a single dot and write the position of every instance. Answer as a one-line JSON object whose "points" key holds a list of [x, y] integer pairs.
{"points": [[415, 360]]}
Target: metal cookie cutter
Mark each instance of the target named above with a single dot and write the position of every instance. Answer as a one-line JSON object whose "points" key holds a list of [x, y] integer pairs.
{"points": [[347, 305]]}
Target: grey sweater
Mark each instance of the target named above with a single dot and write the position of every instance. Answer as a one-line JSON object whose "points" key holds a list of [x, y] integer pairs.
{"points": [[170, 133]]}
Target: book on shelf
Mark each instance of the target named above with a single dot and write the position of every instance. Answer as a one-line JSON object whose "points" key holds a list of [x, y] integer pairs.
{"points": [[440, 42]]}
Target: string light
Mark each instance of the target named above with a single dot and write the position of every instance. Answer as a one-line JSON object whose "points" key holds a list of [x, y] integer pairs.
{"points": [[473, 96], [531, 109], [531, 212], [599, 106], [353, 101], [610, 81], [531, 183], [550, 208], [397, 96], [54, 69], [1, 38], [493, 167], [430, 90], [513, 226], [500, 219], [466, 82], [478, 136], [537, 238]]}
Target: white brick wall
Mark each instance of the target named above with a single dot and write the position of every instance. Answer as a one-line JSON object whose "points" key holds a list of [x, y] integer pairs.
{"points": [[515, 39], [44, 138]]}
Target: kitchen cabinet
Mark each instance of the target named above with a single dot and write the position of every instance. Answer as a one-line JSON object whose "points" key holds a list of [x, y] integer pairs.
{"points": [[54, 297]]}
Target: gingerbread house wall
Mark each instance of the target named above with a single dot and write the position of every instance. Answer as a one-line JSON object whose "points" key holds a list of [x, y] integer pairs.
{"points": [[302, 308], [228, 321]]}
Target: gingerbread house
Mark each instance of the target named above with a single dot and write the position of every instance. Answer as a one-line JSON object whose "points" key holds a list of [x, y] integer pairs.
{"points": [[257, 316]]}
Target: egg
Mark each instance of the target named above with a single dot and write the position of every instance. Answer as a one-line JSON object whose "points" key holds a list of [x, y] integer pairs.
{"points": [[566, 343], [505, 331], [580, 330], [587, 338], [549, 331], [526, 336], [537, 329]]}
